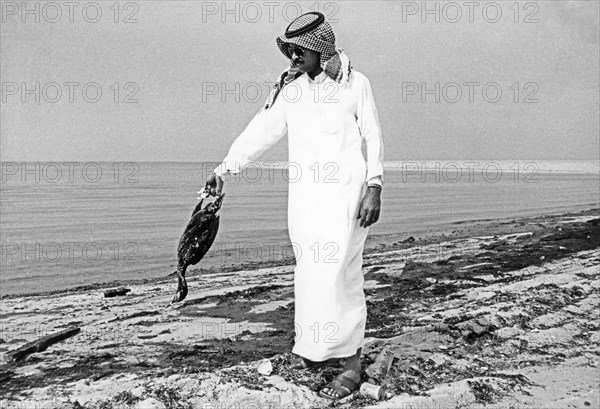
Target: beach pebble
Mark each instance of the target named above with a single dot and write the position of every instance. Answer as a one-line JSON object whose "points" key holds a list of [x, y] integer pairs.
{"points": [[265, 367], [151, 403]]}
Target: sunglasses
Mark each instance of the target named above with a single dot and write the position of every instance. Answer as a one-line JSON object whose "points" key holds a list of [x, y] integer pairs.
{"points": [[295, 49]]}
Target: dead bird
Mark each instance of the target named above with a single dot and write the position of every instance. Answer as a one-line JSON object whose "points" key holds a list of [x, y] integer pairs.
{"points": [[197, 238]]}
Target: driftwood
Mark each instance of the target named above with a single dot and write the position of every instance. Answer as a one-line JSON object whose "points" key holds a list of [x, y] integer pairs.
{"points": [[116, 292], [41, 344], [379, 369]]}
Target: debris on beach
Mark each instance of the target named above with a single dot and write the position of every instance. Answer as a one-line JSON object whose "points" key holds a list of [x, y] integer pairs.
{"points": [[378, 370], [265, 367], [116, 292], [458, 321], [41, 344]]}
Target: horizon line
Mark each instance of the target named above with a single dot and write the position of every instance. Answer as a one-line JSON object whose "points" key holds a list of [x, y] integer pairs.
{"points": [[285, 161]]}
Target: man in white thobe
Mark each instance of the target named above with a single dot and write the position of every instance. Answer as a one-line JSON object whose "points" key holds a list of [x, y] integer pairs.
{"points": [[327, 110]]}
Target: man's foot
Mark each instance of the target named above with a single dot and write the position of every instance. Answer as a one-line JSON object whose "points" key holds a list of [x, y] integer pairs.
{"points": [[303, 363], [341, 386]]}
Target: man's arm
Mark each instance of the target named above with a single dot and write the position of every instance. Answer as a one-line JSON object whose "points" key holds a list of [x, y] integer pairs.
{"points": [[263, 131], [370, 129], [368, 122]]}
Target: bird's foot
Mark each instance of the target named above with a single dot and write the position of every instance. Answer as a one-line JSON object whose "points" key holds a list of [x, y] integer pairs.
{"points": [[180, 295]]}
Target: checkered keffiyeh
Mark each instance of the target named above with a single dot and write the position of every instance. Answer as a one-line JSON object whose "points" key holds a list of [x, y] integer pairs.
{"points": [[321, 39]]}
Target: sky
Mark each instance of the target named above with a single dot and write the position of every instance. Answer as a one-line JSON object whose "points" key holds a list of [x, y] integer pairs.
{"points": [[179, 80]]}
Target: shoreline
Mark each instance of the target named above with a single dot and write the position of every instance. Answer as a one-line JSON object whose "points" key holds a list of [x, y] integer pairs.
{"points": [[373, 244], [493, 314]]}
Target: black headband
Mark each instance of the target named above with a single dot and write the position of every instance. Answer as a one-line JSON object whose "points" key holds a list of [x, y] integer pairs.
{"points": [[293, 33]]}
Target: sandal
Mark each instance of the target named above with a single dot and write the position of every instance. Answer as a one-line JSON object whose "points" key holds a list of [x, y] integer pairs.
{"points": [[303, 363], [342, 385]]}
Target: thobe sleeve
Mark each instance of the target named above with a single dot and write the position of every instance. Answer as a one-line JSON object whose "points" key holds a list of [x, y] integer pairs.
{"points": [[264, 130], [368, 122]]}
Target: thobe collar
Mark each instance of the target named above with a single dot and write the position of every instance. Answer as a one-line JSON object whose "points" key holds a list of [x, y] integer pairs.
{"points": [[319, 78]]}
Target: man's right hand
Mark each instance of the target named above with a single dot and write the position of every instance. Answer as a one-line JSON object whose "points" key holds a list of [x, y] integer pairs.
{"points": [[214, 185]]}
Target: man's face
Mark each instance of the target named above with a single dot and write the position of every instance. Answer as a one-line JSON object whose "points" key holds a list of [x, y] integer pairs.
{"points": [[306, 60]]}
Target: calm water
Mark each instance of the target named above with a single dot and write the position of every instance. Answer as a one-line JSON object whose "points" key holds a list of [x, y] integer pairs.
{"points": [[64, 224]]}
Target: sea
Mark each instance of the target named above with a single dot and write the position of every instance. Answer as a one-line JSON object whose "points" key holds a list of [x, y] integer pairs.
{"points": [[68, 224]]}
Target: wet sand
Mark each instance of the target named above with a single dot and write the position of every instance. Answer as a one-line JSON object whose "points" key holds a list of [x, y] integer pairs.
{"points": [[489, 313]]}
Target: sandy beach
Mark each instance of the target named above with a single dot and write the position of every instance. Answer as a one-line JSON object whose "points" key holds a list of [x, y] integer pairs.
{"points": [[490, 313]]}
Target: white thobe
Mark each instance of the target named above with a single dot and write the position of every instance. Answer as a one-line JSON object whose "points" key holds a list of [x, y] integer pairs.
{"points": [[326, 123]]}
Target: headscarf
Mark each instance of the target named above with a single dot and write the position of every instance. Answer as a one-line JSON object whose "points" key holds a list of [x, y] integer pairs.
{"points": [[312, 32]]}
